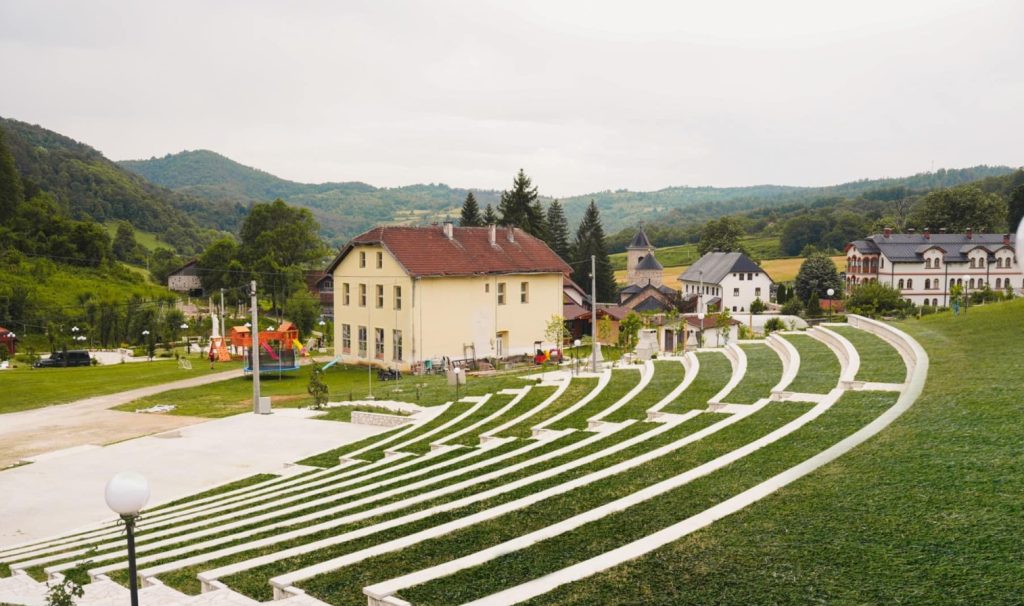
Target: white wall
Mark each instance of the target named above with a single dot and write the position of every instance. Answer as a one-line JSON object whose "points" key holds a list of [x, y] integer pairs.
{"points": [[747, 291]]}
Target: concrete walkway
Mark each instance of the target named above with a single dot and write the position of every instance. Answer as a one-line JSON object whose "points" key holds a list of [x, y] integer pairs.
{"points": [[33, 432], [68, 485]]}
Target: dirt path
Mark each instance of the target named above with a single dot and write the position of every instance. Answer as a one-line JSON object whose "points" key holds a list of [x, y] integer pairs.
{"points": [[88, 421]]}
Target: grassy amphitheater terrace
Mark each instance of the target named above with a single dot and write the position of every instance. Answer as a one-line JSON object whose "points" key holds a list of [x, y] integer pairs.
{"points": [[856, 463]]}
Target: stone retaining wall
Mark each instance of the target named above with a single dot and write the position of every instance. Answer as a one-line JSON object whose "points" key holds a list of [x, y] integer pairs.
{"points": [[360, 417]]}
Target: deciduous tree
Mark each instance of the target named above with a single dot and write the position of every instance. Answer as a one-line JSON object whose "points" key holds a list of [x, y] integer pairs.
{"points": [[722, 235], [958, 208], [817, 274]]}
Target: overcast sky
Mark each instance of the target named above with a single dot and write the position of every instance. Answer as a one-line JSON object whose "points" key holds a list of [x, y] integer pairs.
{"points": [[585, 96]]}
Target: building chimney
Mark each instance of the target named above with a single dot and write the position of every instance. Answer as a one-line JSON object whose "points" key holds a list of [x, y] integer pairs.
{"points": [[887, 232], [1006, 239], [970, 233], [911, 230], [511, 234], [927, 233], [449, 230], [942, 230], [492, 234]]}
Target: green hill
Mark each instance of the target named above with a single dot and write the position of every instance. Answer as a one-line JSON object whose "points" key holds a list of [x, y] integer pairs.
{"points": [[86, 184], [343, 209], [347, 208]]}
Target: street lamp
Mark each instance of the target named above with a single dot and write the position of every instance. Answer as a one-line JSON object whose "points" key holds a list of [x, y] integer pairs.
{"points": [[126, 494], [458, 371], [967, 299], [700, 329], [576, 354], [830, 292], [323, 331]]}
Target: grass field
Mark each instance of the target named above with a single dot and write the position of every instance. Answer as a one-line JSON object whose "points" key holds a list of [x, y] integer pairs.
{"points": [[25, 388], [927, 512], [147, 240], [684, 254], [780, 270], [344, 383]]}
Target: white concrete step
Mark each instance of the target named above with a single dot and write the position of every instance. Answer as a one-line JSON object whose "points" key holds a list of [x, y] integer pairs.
{"points": [[22, 590]]}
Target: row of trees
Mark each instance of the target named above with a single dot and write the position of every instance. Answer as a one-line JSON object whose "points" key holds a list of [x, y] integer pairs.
{"points": [[521, 207]]}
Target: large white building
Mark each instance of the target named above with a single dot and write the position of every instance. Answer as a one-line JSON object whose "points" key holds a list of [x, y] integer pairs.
{"points": [[924, 266], [725, 280]]}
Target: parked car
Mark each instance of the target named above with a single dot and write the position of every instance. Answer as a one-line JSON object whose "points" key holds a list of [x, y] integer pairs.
{"points": [[78, 357]]}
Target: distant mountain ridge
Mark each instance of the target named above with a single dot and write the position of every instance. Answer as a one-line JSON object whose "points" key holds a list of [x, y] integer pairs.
{"points": [[88, 185], [345, 209]]}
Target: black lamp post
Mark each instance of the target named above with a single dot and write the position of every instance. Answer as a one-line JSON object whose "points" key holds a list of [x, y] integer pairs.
{"points": [[126, 494]]}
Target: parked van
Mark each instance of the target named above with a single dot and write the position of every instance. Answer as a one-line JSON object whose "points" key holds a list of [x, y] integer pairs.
{"points": [[78, 357]]}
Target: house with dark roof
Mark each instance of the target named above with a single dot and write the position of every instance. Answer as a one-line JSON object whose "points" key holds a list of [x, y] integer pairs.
{"points": [[405, 295], [925, 266], [186, 279], [645, 290], [321, 286], [725, 280]]}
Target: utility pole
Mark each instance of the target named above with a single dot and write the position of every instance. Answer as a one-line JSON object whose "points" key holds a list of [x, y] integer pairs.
{"points": [[223, 335], [593, 313], [254, 337]]}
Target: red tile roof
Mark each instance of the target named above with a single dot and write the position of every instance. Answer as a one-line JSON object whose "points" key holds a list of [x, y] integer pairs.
{"points": [[426, 251]]}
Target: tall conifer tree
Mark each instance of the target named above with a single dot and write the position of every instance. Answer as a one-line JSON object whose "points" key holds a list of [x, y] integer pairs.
{"points": [[519, 207], [558, 231], [490, 218], [471, 212], [590, 241]]}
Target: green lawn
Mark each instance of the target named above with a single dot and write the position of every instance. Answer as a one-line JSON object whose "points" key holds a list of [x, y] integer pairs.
{"points": [[764, 370], [819, 366], [927, 512], [714, 372], [577, 389], [25, 388], [621, 382], [668, 374], [879, 361], [344, 383]]}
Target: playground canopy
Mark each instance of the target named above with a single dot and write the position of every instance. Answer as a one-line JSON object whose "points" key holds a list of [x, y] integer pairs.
{"points": [[277, 348]]}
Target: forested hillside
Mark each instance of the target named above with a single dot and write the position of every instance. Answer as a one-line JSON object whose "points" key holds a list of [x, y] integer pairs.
{"points": [[342, 209], [674, 214], [82, 183]]}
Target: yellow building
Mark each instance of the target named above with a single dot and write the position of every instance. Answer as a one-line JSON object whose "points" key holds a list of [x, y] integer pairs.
{"points": [[403, 295]]}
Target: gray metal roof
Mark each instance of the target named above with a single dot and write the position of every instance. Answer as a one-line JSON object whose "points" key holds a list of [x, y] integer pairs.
{"points": [[714, 266], [910, 247], [640, 240], [649, 262]]}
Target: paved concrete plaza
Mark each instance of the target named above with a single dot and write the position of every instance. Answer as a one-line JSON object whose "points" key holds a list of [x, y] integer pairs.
{"points": [[63, 491]]}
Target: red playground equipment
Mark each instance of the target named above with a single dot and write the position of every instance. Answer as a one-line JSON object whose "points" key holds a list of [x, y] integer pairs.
{"points": [[276, 347]]}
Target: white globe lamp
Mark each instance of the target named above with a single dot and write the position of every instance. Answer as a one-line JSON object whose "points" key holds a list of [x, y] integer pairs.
{"points": [[127, 493]]}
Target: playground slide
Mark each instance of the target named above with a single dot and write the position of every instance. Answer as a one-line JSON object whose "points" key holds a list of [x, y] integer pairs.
{"points": [[270, 351], [298, 346]]}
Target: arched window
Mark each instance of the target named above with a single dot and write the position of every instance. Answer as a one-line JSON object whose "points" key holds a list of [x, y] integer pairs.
{"points": [[973, 261], [901, 283], [927, 284], [927, 263], [999, 282], [971, 283], [910, 284]]}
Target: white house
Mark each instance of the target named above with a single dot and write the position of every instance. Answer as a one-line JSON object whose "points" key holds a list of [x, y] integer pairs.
{"points": [[924, 266], [186, 279], [725, 280]]}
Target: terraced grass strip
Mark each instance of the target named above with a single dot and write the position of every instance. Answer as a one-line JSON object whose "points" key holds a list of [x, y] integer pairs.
{"points": [[491, 406], [534, 397], [336, 587], [764, 371], [819, 366], [621, 382], [577, 389], [243, 483], [852, 412], [712, 376], [330, 458], [668, 374], [879, 361]]}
